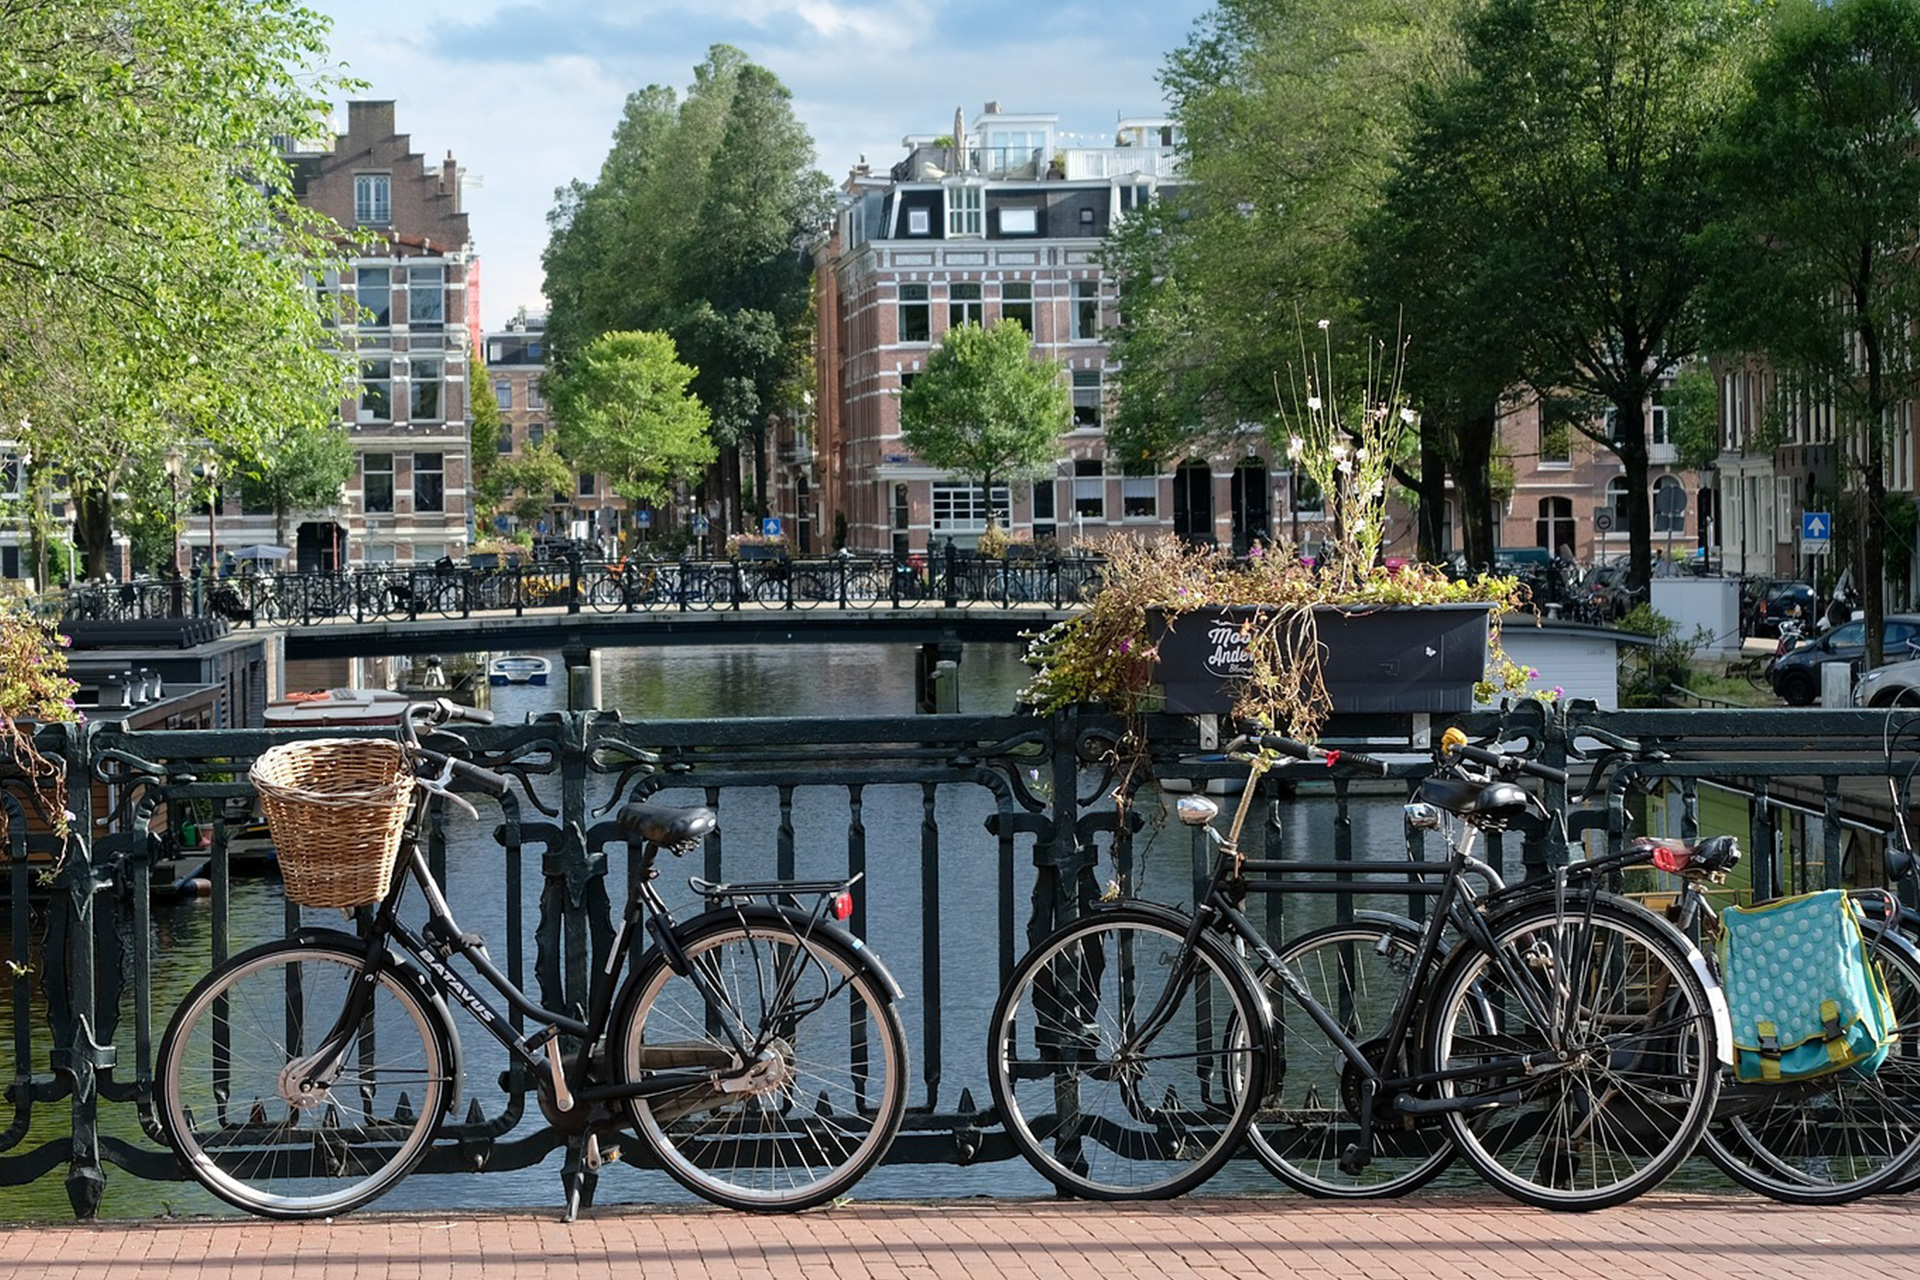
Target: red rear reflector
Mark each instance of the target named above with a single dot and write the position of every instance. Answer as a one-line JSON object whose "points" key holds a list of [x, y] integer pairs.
{"points": [[842, 905], [1670, 859]]}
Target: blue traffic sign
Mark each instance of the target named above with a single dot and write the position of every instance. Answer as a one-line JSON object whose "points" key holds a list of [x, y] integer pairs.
{"points": [[770, 527], [1815, 526]]}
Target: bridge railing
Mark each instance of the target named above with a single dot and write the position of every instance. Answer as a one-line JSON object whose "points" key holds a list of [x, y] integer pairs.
{"points": [[949, 579], [976, 836]]}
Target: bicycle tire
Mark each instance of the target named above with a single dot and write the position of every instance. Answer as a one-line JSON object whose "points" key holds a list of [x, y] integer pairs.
{"points": [[833, 1102], [1636, 1084], [221, 1082], [1837, 1138], [1104, 1118], [1309, 1117]]}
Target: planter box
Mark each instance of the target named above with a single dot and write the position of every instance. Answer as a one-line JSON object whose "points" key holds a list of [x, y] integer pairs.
{"points": [[1423, 658]]}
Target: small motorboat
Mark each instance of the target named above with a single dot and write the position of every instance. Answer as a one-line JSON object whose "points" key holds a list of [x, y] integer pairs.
{"points": [[518, 668], [328, 707]]}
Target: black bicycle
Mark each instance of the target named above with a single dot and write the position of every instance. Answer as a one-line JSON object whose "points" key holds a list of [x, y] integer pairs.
{"points": [[756, 1048], [1563, 1040]]}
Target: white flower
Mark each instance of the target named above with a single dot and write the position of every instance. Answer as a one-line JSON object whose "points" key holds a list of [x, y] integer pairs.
{"points": [[1346, 466], [1325, 323], [1360, 456], [1296, 448], [1337, 450], [1406, 416], [1313, 403]]}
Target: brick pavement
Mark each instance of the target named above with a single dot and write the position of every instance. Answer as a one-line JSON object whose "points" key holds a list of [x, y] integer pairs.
{"points": [[1667, 1236]]}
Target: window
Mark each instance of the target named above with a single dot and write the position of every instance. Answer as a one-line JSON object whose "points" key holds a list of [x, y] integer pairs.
{"points": [[372, 288], [1140, 497], [966, 207], [505, 444], [1307, 499], [916, 315], [426, 297], [1086, 310], [503, 393], [376, 482], [429, 482], [423, 400], [12, 481], [1669, 505], [534, 399], [919, 222], [1086, 399], [1016, 303], [536, 432], [376, 391], [1019, 222], [1617, 502], [1556, 443], [586, 484], [961, 508], [1043, 508], [964, 306], [1657, 421], [372, 199], [1553, 527], [1089, 490]]}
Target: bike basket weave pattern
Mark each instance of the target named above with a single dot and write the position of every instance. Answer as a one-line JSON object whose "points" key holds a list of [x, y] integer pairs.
{"points": [[335, 807], [1804, 998]]}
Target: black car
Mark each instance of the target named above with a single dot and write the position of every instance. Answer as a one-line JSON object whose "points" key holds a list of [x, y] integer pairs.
{"points": [[1795, 675], [1765, 601]]}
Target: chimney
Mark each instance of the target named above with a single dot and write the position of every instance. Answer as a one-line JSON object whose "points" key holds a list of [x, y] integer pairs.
{"points": [[370, 121], [993, 108], [450, 180]]}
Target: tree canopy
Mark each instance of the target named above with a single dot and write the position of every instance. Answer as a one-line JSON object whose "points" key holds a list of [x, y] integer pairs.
{"points": [[984, 407], [625, 410], [155, 270]]}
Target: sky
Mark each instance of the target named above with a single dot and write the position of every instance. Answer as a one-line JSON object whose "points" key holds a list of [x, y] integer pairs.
{"points": [[526, 95]]}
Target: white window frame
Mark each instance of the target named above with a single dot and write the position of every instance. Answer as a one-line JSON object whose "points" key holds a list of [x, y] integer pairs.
{"points": [[1086, 293], [373, 199], [966, 211], [1090, 489], [1019, 222], [919, 222], [957, 506], [1139, 497]]}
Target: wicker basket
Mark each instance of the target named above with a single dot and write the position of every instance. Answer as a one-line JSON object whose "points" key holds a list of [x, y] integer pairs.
{"points": [[335, 807]]}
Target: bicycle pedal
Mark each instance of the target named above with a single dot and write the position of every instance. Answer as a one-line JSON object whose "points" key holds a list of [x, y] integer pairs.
{"points": [[598, 1159]]}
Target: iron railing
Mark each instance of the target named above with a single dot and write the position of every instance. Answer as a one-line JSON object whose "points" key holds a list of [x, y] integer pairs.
{"points": [[976, 835], [948, 579]]}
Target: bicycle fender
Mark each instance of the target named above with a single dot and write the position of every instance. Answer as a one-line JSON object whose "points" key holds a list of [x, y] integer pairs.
{"points": [[801, 922], [410, 973]]}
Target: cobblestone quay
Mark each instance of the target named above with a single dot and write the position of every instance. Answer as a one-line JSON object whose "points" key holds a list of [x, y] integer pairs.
{"points": [[1662, 1235]]}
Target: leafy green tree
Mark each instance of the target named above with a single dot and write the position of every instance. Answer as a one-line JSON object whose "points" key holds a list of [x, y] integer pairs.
{"points": [[1589, 122], [299, 468], [523, 486], [1812, 246], [698, 227], [984, 408], [625, 411], [146, 229], [485, 422]]}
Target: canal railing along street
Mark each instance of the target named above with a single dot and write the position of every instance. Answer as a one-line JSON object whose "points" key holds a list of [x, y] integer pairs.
{"points": [[975, 834]]}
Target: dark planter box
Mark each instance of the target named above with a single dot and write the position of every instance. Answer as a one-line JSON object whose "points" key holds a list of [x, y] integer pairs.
{"points": [[1390, 658]]}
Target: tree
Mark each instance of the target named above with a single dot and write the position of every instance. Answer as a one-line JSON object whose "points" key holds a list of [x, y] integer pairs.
{"points": [[153, 246], [1812, 247], [522, 487], [699, 226], [984, 408], [625, 411], [300, 467], [1581, 126]]}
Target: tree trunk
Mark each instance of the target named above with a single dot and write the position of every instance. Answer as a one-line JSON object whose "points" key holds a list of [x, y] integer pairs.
{"points": [[1430, 493], [1473, 488], [93, 512], [1630, 446]]}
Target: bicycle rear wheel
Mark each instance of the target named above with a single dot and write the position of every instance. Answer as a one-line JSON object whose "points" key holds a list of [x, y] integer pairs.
{"points": [[832, 1087], [1105, 1108], [1591, 1045], [1310, 1116], [233, 1094], [1839, 1137]]}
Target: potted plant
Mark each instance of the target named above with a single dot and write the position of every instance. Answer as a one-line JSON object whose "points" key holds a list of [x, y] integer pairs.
{"points": [[34, 690], [1279, 637]]}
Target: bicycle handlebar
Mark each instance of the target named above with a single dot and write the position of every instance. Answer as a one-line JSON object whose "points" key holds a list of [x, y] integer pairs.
{"points": [[1331, 758], [1507, 762], [452, 766]]}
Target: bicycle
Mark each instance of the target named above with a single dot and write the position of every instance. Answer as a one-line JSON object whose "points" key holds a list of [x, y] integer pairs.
{"points": [[757, 1048], [1565, 1043]]}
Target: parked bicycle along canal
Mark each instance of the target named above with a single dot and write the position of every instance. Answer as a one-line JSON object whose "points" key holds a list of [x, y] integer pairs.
{"points": [[745, 681]]}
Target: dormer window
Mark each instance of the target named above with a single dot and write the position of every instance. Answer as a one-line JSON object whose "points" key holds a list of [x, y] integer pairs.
{"points": [[372, 199], [919, 223], [966, 210]]}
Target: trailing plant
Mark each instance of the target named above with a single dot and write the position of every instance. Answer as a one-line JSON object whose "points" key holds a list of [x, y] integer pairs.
{"points": [[34, 689]]}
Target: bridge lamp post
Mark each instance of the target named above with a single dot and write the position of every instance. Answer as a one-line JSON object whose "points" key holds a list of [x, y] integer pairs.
{"points": [[175, 465], [210, 472]]}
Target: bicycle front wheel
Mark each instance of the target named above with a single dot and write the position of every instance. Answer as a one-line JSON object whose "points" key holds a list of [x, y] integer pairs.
{"points": [[1841, 1136], [1307, 1131], [1124, 1066], [267, 1126], [1580, 1053], [827, 1094]]}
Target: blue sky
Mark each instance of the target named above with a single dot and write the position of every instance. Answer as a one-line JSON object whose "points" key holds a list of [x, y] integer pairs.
{"points": [[526, 94]]}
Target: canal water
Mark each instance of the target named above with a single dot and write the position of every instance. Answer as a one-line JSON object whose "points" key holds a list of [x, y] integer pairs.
{"points": [[671, 683]]}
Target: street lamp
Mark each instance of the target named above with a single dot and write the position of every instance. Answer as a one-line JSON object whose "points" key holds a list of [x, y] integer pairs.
{"points": [[210, 472], [175, 464]]}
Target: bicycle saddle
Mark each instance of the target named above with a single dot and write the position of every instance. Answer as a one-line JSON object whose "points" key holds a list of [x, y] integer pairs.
{"points": [[1712, 856], [1480, 801], [665, 825]]}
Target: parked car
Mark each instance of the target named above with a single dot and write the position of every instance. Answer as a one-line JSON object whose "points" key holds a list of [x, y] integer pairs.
{"points": [[1895, 685], [1795, 675], [1764, 601]]}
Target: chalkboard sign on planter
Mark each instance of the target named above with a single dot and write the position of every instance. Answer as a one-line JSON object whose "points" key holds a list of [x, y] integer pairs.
{"points": [[1419, 658]]}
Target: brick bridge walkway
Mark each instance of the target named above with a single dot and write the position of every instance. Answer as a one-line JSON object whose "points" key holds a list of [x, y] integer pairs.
{"points": [[1675, 1237]]}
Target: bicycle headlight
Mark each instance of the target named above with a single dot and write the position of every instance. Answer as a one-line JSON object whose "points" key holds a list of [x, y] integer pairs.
{"points": [[1422, 816]]}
